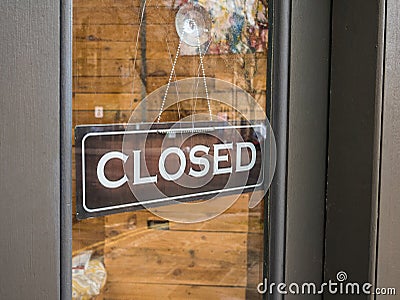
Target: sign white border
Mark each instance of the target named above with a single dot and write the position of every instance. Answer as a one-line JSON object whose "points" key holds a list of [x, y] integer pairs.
{"points": [[162, 199]]}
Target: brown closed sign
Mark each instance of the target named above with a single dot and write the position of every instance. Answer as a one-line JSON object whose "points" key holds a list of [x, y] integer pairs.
{"points": [[157, 164]]}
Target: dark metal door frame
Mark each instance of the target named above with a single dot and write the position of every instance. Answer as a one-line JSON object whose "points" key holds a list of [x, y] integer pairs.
{"points": [[299, 72], [354, 140]]}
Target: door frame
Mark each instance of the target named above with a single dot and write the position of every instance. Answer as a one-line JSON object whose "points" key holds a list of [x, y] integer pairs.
{"points": [[66, 149], [296, 214]]}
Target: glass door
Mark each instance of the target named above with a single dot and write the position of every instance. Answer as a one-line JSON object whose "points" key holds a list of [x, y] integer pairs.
{"points": [[127, 57]]}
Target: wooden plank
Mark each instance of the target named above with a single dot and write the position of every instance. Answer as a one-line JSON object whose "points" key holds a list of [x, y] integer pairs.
{"points": [[106, 15], [255, 245], [115, 59], [119, 110], [85, 233], [234, 219], [184, 257], [122, 223], [261, 66], [122, 33], [159, 50], [157, 33], [187, 107], [105, 33], [188, 66], [124, 50], [260, 82], [107, 85], [166, 116], [161, 3], [84, 117], [89, 229], [256, 220], [149, 291], [103, 67], [107, 101], [156, 82], [105, 50], [236, 222], [122, 3], [122, 15], [105, 3]]}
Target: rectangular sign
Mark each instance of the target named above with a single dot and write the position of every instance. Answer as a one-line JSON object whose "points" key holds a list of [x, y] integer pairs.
{"points": [[119, 170]]}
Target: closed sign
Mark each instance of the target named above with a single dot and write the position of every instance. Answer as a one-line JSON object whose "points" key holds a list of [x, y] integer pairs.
{"points": [[156, 164]]}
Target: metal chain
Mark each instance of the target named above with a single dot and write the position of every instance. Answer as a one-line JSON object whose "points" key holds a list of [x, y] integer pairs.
{"points": [[173, 70], [169, 81], [204, 73]]}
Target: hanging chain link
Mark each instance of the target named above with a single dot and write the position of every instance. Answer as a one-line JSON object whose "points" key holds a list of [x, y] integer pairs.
{"points": [[192, 23], [169, 81]]}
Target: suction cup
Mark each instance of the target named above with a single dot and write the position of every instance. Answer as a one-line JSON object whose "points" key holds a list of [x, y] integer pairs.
{"points": [[193, 24]]}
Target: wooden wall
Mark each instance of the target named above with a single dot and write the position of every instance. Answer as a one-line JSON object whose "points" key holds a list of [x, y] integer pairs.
{"points": [[106, 74], [146, 257]]}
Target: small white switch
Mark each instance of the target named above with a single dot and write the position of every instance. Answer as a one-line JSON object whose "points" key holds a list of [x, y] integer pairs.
{"points": [[98, 112]]}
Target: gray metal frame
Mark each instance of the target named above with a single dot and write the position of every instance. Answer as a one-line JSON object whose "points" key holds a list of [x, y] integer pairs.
{"points": [[364, 145], [307, 141], [279, 83], [30, 149], [299, 85], [66, 148], [353, 140]]}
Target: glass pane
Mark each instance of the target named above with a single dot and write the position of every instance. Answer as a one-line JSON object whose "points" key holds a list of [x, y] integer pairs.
{"points": [[123, 50]]}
